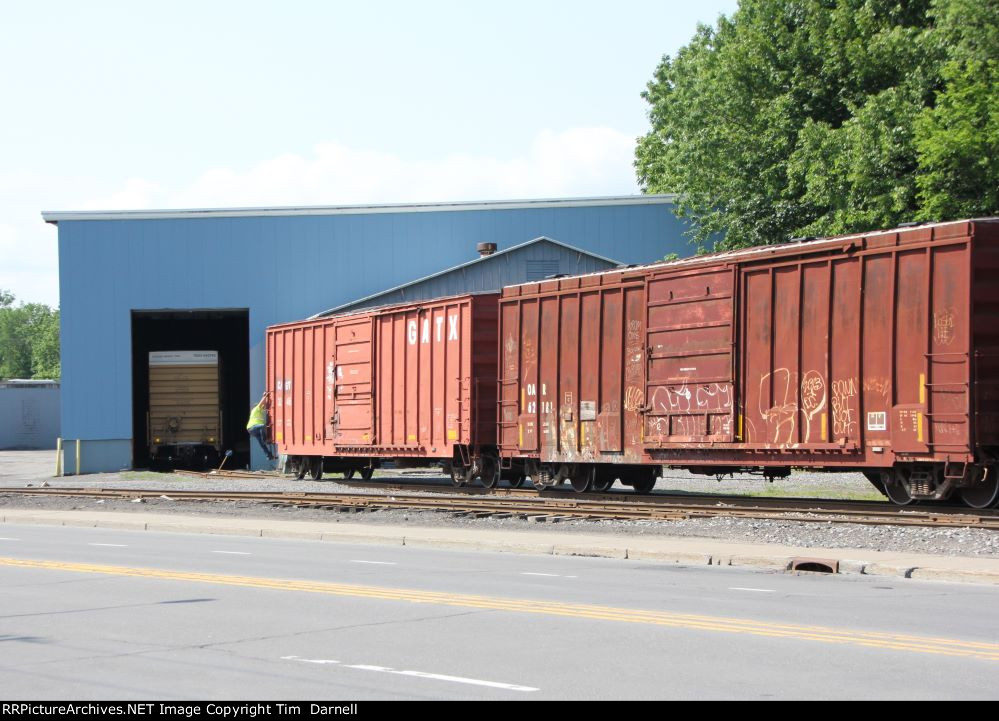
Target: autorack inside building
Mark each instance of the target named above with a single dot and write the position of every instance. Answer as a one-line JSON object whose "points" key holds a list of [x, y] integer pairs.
{"points": [[136, 283]]}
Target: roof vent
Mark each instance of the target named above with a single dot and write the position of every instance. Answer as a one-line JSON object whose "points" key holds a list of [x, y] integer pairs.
{"points": [[486, 249]]}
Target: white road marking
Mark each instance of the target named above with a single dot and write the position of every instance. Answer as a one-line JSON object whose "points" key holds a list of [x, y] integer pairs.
{"points": [[550, 575], [112, 545], [757, 590], [234, 553], [377, 563], [416, 674], [309, 660], [10, 539], [443, 677]]}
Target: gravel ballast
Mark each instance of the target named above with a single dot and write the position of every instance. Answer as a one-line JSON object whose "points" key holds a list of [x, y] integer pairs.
{"points": [[942, 541]]}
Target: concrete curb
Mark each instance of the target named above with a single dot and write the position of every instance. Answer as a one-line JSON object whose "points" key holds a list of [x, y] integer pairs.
{"points": [[430, 538]]}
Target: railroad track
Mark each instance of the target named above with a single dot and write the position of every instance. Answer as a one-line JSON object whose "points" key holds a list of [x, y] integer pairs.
{"points": [[556, 506], [399, 485]]}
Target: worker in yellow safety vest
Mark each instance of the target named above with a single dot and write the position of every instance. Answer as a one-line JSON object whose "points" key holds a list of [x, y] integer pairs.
{"points": [[257, 425]]}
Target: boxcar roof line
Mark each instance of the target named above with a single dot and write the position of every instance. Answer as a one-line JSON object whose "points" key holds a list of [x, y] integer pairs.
{"points": [[762, 251]]}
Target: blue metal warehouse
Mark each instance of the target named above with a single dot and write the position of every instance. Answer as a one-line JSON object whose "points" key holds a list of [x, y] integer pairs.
{"points": [[132, 282]]}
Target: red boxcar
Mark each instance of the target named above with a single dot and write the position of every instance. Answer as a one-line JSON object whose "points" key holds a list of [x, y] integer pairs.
{"points": [[414, 381], [876, 352]]}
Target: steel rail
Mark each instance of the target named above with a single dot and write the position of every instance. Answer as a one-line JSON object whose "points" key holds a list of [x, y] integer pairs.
{"points": [[557, 507], [824, 505]]}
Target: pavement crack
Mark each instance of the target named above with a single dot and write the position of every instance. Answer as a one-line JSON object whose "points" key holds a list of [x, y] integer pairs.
{"points": [[335, 629], [221, 646]]}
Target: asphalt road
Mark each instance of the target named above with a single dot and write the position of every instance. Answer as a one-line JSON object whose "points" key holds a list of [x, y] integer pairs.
{"points": [[103, 614]]}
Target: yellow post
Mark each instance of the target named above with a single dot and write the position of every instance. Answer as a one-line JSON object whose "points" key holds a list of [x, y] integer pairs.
{"points": [[77, 456], [58, 458]]}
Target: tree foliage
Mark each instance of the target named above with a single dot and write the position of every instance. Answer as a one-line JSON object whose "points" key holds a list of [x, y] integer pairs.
{"points": [[29, 339], [815, 117]]}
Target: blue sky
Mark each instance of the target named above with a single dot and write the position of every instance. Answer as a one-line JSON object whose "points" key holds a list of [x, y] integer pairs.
{"points": [[115, 105]]}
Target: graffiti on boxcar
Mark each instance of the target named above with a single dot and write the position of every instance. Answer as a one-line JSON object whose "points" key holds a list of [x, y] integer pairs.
{"points": [[511, 356], [330, 379], [878, 385], [715, 397], [948, 428], [781, 415], [843, 393], [634, 331], [634, 398], [674, 403], [813, 398], [530, 353], [672, 400], [943, 326], [634, 364], [680, 411]]}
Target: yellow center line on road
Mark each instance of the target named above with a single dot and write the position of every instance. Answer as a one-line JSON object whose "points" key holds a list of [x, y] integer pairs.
{"points": [[822, 634]]}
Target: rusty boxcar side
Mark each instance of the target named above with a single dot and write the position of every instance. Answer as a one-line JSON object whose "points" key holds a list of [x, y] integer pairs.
{"points": [[874, 352], [412, 381]]}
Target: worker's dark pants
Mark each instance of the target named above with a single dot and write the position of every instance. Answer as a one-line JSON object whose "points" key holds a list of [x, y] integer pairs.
{"points": [[260, 433]]}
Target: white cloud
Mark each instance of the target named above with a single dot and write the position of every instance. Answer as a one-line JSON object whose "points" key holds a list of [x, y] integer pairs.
{"points": [[29, 267], [575, 162], [137, 193], [570, 163]]}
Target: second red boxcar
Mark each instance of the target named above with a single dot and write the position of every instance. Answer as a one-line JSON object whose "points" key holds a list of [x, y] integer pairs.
{"points": [[414, 381], [875, 352]]}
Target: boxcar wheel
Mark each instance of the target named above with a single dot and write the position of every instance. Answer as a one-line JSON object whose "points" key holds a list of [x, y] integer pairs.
{"points": [[299, 467], [644, 485], [897, 488], [316, 468], [367, 472], [490, 472], [517, 481], [983, 494], [582, 479], [602, 483], [349, 473]]}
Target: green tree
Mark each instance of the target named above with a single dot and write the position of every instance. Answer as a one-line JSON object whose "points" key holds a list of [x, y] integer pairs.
{"points": [[29, 340], [809, 117], [957, 140], [45, 358]]}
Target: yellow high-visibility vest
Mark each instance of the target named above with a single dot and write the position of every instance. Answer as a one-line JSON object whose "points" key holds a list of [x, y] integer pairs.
{"points": [[258, 416]]}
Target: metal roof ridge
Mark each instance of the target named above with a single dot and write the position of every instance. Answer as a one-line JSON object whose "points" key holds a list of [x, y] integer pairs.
{"points": [[56, 216], [460, 266]]}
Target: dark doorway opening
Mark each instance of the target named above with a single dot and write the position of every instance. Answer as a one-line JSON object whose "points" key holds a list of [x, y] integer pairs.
{"points": [[225, 331]]}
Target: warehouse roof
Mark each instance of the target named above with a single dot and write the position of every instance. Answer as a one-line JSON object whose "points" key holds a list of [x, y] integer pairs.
{"points": [[368, 300], [51, 216]]}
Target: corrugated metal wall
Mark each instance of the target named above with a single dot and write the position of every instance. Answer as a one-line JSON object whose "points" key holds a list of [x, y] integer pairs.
{"points": [[29, 416], [281, 269]]}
